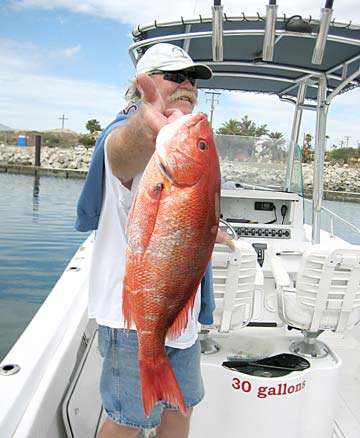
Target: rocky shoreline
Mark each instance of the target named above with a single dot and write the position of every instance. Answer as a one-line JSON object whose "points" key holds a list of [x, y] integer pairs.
{"points": [[77, 158], [340, 180]]}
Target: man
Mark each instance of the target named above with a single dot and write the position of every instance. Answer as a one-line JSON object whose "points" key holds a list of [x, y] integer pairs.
{"points": [[163, 90]]}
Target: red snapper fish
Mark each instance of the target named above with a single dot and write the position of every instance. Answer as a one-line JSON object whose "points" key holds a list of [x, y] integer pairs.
{"points": [[172, 227]]}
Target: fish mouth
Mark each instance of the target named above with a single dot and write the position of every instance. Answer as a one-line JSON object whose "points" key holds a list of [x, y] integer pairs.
{"points": [[162, 169]]}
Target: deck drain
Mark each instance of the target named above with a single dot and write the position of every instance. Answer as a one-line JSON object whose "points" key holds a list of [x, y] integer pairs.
{"points": [[9, 369]]}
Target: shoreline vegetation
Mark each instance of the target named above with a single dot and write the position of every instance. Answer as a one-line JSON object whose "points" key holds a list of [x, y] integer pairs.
{"points": [[341, 182]]}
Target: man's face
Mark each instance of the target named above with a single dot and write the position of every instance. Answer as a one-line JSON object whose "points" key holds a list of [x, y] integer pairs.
{"points": [[176, 96]]}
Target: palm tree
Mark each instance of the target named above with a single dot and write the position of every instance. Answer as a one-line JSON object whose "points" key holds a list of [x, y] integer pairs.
{"points": [[276, 135], [231, 127], [248, 128], [245, 127], [93, 125]]}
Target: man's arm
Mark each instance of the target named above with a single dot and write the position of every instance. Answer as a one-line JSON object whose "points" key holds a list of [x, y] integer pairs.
{"points": [[130, 147]]}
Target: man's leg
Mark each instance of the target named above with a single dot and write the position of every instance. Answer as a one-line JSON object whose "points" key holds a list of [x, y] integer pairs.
{"points": [[113, 430], [174, 424], [186, 366], [120, 387]]}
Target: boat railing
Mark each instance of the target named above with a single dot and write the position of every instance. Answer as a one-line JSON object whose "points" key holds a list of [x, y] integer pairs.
{"points": [[333, 216]]}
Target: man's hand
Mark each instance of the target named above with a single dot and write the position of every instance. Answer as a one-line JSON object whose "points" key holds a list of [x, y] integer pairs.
{"points": [[153, 109], [130, 147]]}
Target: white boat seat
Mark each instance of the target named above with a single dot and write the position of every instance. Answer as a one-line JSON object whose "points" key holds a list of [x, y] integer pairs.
{"points": [[325, 295], [235, 277]]}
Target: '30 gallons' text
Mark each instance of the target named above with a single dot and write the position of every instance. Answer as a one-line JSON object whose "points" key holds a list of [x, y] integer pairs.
{"points": [[267, 391]]}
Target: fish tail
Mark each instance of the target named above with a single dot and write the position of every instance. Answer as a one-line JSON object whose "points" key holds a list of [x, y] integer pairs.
{"points": [[158, 382]]}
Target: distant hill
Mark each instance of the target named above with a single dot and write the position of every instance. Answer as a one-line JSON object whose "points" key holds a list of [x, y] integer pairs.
{"points": [[61, 138], [5, 128]]}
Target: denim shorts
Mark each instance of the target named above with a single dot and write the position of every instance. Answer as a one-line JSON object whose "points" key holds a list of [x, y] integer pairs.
{"points": [[120, 387]]}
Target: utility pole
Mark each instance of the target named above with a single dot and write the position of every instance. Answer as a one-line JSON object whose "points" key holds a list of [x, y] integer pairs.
{"points": [[347, 137], [63, 118], [213, 100]]}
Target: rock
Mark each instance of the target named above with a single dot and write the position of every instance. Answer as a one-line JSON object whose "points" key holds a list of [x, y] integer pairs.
{"points": [[336, 177]]}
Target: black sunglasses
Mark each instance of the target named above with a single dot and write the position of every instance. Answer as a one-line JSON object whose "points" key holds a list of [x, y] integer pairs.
{"points": [[178, 76]]}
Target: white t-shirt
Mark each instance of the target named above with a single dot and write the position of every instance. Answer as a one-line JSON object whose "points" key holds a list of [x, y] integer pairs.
{"points": [[108, 261]]}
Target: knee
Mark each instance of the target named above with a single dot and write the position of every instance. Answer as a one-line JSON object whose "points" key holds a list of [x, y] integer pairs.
{"points": [[174, 424], [110, 430]]}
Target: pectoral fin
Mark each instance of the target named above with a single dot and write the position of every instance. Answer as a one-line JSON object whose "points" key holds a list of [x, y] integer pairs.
{"points": [[181, 321]]}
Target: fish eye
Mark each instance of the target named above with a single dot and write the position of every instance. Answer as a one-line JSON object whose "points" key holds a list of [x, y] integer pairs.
{"points": [[202, 145]]}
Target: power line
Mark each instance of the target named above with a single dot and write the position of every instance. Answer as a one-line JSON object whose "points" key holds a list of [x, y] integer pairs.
{"points": [[213, 100], [347, 137]]}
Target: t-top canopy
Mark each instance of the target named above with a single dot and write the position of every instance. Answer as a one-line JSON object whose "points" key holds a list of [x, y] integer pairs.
{"points": [[243, 67]]}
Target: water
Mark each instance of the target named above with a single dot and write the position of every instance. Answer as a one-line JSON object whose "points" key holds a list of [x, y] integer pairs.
{"points": [[37, 240], [347, 210]]}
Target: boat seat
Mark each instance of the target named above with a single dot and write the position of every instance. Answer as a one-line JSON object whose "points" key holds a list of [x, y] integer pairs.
{"points": [[235, 277], [325, 295]]}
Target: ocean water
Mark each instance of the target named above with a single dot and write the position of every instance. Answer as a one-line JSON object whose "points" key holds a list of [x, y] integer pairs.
{"points": [[349, 211], [37, 240]]}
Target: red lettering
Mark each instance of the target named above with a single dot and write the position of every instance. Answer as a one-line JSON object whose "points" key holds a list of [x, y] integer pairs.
{"points": [[244, 386], [280, 389], [236, 383], [271, 391], [291, 389], [262, 392], [266, 391]]}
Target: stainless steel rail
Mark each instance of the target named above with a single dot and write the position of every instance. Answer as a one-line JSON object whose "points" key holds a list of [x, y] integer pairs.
{"points": [[333, 216]]}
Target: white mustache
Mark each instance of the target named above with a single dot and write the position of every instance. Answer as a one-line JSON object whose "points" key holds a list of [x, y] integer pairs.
{"points": [[178, 94]]}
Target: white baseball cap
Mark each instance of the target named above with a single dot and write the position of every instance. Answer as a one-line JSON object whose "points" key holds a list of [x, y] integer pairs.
{"points": [[168, 57]]}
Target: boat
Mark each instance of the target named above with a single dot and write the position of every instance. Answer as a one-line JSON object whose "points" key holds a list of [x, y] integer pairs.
{"points": [[282, 357]]}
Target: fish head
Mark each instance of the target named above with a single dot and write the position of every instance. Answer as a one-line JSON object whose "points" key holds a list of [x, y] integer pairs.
{"points": [[186, 152]]}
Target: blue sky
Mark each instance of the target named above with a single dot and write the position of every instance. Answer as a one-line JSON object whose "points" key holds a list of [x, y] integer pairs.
{"points": [[75, 45], [70, 57]]}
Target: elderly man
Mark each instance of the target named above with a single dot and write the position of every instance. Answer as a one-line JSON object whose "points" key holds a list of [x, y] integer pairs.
{"points": [[163, 90]]}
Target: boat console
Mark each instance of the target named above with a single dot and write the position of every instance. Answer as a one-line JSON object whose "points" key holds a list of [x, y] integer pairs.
{"points": [[262, 217]]}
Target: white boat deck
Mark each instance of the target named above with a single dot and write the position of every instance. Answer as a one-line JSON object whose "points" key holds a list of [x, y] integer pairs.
{"points": [[347, 424], [348, 416]]}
